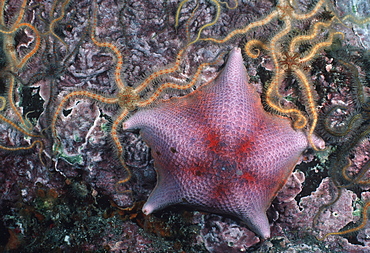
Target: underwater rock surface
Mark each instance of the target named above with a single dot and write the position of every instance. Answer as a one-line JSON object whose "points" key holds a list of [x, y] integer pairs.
{"points": [[67, 196]]}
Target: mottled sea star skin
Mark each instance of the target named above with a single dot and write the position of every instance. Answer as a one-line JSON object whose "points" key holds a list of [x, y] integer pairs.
{"points": [[218, 150]]}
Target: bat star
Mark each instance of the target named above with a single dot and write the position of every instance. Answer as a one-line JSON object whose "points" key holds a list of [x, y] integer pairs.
{"points": [[218, 150]]}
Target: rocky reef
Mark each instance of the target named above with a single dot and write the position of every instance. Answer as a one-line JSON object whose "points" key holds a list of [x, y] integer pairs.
{"points": [[71, 180]]}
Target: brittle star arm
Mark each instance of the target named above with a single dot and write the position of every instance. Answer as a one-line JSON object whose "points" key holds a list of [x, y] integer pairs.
{"points": [[217, 3], [54, 21], [177, 17], [320, 46], [266, 20], [351, 230], [8, 41], [23, 148], [22, 9], [358, 179], [25, 123], [156, 74], [300, 120], [308, 93], [168, 85], [315, 31], [188, 22], [118, 145], [313, 12], [18, 127], [356, 20], [228, 6], [252, 44], [218, 11], [117, 73], [33, 144], [2, 4], [274, 45]]}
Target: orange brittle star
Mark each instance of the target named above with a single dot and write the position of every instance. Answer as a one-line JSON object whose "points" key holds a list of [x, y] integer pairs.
{"points": [[128, 98]]}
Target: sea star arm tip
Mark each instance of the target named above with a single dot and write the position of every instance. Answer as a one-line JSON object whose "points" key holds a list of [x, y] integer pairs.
{"points": [[259, 224], [316, 142]]}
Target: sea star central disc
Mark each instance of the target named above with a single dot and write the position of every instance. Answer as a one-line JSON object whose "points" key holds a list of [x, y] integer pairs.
{"points": [[217, 149]]}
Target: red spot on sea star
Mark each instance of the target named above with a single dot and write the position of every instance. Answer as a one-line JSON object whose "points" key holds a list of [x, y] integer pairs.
{"points": [[248, 176], [213, 141]]}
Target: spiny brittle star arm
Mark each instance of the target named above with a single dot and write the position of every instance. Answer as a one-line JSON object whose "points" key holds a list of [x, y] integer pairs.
{"points": [[178, 13], [117, 73], [54, 21], [351, 230], [217, 3], [164, 86], [156, 74], [118, 144], [246, 29], [357, 20], [18, 127], [310, 103], [313, 12], [218, 11], [320, 46], [22, 9], [24, 123], [11, 51], [312, 35], [253, 44], [33, 144]]}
